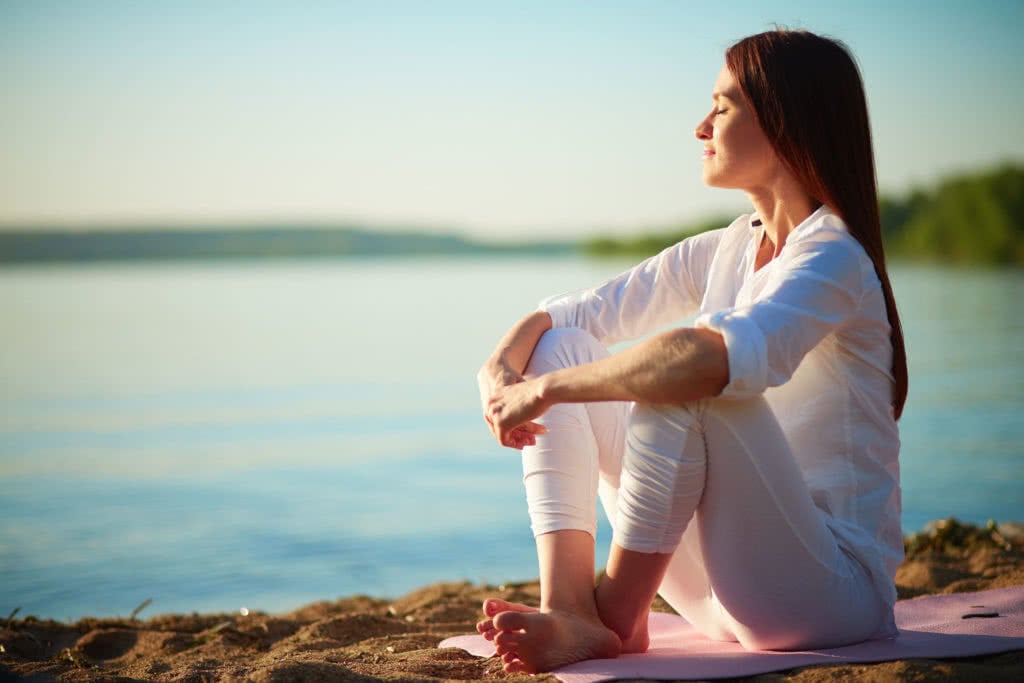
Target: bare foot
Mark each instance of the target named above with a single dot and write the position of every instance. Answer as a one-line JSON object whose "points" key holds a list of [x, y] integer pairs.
{"points": [[531, 642], [493, 606]]}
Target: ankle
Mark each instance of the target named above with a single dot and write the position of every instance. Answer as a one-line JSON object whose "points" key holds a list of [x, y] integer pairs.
{"points": [[625, 631], [625, 624], [580, 608], [582, 603]]}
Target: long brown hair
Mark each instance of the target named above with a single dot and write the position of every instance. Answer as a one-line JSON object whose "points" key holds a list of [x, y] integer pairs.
{"points": [[809, 100]]}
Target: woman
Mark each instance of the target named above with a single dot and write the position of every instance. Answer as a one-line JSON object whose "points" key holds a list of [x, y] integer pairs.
{"points": [[748, 464]]}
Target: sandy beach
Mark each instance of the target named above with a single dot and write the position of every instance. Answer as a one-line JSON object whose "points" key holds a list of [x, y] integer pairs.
{"points": [[366, 638]]}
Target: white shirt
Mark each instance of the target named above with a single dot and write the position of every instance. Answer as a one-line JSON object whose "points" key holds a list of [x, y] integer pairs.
{"points": [[810, 331]]}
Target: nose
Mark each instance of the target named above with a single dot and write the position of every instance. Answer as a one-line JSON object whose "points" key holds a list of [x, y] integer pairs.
{"points": [[703, 131]]}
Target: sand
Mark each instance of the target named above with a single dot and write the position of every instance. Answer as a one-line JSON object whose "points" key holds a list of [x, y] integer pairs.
{"points": [[364, 638]]}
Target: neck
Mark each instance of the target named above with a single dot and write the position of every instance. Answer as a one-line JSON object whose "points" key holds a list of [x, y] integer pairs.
{"points": [[781, 210]]}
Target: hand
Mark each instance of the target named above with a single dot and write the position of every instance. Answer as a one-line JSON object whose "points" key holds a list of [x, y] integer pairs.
{"points": [[494, 379], [510, 413]]}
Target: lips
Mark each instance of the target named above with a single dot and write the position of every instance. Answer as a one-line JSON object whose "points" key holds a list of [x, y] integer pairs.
{"points": [[708, 153]]}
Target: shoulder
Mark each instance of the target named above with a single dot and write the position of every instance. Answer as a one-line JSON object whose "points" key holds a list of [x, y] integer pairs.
{"points": [[824, 236], [743, 228], [824, 228], [822, 250], [702, 250], [731, 238]]}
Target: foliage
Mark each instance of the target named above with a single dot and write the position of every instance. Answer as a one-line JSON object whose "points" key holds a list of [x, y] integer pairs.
{"points": [[950, 536], [650, 243], [970, 219]]}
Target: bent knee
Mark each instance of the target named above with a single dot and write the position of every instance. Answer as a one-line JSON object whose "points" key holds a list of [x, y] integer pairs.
{"points": [[564, 347]]}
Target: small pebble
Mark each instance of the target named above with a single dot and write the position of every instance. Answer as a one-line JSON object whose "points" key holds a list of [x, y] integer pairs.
{"points": [[389, 648], [244, 611], [410, 617]]}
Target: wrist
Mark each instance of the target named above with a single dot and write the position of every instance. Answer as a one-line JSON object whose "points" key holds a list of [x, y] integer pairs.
{"points": [[547, 387]]}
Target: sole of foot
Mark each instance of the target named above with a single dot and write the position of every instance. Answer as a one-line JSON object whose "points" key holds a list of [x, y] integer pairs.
{"points": [[534, 642]]}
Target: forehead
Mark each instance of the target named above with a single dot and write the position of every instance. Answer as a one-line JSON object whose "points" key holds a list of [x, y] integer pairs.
{"points": [[726, 85]]}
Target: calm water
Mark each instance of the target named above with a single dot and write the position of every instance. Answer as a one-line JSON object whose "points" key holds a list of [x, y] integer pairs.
{"points": [[223, 435]]}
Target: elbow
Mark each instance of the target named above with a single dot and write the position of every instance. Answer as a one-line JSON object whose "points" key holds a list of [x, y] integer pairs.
{"points": [[716, 360], [706, 363]]}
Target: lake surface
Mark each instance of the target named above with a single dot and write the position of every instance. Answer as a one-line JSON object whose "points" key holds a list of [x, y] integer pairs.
{"points": [[264, 435]]}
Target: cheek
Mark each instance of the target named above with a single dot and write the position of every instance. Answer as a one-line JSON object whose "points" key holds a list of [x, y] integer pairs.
{"points": [[759, 152], [757, 144]]}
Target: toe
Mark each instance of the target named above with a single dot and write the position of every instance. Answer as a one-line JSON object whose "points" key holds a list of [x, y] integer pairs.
{"points": [[484, 625], [493, 606], [511, 621], [506, 639], [516, 666]]}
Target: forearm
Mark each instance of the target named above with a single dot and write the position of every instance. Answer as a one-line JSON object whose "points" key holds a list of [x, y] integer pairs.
{"points": [[516, 347], [678, 366]]}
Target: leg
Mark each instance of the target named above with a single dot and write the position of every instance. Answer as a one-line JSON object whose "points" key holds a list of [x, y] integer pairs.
{"points": [[567, 627], [771, 574], [756, 562], [583, 445], [626, 591], [661, 485]]}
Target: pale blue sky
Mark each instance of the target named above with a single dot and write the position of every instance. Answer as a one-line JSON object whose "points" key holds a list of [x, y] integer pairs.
{"points": [[505, 119]]}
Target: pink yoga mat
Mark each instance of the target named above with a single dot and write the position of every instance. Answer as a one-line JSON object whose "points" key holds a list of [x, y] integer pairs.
{"points": [[930, 627]]}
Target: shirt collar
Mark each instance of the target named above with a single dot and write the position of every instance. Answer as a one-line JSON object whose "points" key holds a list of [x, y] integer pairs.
{"points": [[756, 227]]}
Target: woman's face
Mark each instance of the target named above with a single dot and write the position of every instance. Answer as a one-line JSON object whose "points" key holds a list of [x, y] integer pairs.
{"points": [[736, 152]]}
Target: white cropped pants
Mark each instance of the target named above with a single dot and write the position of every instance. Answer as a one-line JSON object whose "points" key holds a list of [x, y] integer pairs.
{"points": [[713, 483]]}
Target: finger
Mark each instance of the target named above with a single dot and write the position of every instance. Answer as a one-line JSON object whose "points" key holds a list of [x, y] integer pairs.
{"points": [[526, 438], [533, 428], [522, 439]]}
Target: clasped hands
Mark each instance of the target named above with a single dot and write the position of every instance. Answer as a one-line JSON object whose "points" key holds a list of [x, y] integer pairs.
{"points": [[511, 405]]}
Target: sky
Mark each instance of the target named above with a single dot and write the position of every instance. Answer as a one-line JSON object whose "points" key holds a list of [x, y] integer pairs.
{"points": [[505, 120]]}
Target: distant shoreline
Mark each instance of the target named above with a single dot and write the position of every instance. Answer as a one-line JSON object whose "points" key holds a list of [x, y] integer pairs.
{"points": [[170, 244], [970, 219]]}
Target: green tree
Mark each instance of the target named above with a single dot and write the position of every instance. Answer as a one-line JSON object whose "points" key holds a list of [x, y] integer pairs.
{"points": [[969, 220]]}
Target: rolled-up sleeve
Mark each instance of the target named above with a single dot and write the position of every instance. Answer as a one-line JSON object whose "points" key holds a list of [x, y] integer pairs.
{"points": [[813, 289], [659, 291]]}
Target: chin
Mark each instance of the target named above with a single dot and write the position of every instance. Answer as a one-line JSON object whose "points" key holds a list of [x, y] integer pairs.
{"points": [[711, 180]]}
